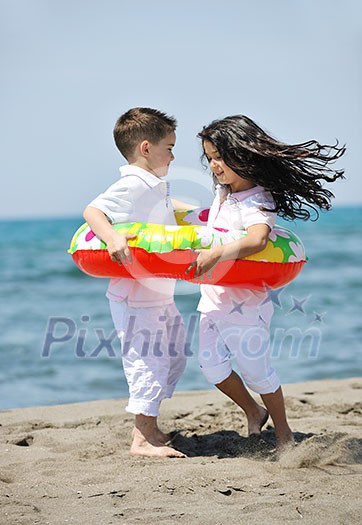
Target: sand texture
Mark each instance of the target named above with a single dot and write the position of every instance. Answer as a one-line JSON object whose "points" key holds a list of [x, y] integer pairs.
{"points": [[69, 464]]}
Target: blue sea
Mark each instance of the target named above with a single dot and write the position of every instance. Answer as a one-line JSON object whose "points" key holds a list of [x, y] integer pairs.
{"points": [[57, 340]]}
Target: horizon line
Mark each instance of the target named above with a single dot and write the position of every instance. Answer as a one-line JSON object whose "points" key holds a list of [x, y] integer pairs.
{"points": [[75, 216]]}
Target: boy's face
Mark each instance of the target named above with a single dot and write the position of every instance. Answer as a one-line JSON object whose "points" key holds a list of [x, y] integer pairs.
{"points": [[160, 155]]}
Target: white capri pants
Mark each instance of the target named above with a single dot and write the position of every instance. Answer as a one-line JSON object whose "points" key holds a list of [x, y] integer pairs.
{"points": [[248, 344], [153, 353]]}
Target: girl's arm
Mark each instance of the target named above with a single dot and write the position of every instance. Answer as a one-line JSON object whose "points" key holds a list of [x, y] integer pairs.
{"points": [[254, 242], [117, 243]]}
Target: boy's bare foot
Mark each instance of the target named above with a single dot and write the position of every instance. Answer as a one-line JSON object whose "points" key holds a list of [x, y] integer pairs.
{"points": [[149, 440], [162, 437], [153, 449], [157, 434], [257, 420]]}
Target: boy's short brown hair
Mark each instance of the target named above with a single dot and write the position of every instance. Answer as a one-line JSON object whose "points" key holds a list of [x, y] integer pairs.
{"points": [[140, 124]]}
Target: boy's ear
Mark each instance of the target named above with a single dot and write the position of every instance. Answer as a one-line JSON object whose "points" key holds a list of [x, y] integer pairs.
{"points": [[144, 148]]}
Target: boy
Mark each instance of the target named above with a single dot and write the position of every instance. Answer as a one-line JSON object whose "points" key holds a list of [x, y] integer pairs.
{"points": [[144, 313]]}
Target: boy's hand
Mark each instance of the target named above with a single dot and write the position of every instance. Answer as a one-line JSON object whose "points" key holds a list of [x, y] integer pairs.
{"points": [[118, 248], [205, 262], [117, 243]]}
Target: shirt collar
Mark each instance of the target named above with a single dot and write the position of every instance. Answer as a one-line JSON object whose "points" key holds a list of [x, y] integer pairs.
{"points": [[148, 177], [240, 195]]}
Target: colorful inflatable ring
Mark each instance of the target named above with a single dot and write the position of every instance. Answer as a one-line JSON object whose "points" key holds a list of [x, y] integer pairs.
{"points": [[167, 251]]}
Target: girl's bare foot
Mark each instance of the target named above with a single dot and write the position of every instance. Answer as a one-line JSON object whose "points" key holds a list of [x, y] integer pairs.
{"points": [[285, 441], [257, 420], [274, 402]]}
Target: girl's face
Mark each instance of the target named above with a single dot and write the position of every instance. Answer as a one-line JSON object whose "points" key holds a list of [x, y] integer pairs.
{"points": [[222, 172]]}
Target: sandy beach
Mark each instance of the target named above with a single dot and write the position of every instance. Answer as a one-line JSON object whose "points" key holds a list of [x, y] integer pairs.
{"points": [[69, 464]]}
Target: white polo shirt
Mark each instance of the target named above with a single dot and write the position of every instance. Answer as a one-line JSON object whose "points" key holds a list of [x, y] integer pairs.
{"points": [[238, 211], [138, 196]]}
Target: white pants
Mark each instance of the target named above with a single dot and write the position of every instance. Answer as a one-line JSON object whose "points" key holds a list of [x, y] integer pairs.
{"points": [[153, 353], [248, 344]]}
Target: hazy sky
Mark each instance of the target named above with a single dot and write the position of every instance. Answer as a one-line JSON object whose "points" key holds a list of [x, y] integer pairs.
{"points": [[69, 68]]}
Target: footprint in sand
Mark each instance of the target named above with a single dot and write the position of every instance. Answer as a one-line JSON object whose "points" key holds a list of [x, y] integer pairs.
{"points": [[24, 442]]}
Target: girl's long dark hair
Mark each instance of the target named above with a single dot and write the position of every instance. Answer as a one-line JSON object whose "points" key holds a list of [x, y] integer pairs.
{"points": [[293, 173]]}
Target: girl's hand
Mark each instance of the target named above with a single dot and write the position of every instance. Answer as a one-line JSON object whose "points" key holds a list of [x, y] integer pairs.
{"points": [[206, 261], [254, 242], [118, 248]]}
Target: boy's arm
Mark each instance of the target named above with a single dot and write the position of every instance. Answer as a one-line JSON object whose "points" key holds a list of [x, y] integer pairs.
{"points": [[182, 206], [117, 244]]}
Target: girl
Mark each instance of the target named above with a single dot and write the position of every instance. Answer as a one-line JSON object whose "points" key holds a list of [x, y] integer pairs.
{"points": [[256, 178]]}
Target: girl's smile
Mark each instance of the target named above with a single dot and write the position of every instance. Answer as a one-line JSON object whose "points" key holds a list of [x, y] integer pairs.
{"points": [[222, 172]]}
